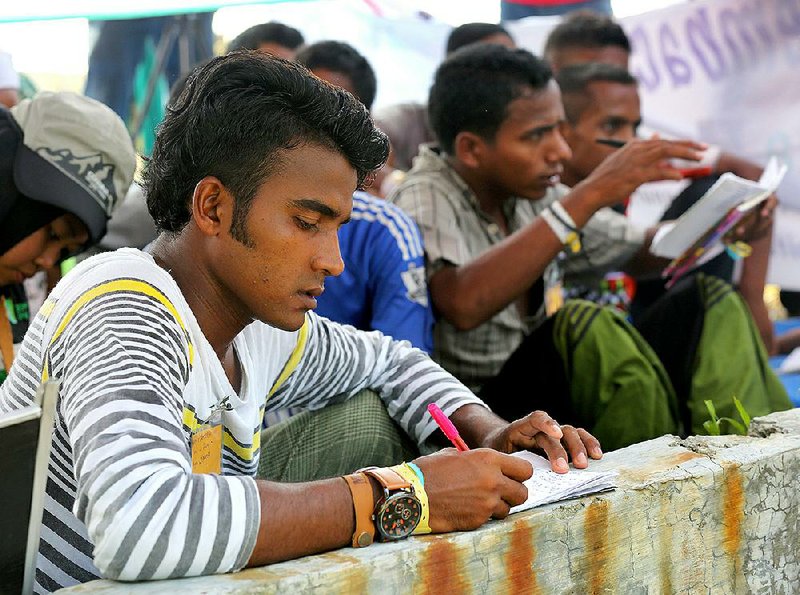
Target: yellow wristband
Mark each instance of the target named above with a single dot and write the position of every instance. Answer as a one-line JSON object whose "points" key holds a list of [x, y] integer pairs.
{"points": [[411, 476]]}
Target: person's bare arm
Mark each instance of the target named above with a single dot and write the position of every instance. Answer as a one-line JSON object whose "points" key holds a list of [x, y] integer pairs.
{"points": [[644, 263], [464, 490], [469, 295], [739, 166], [751, 287], [298, 519]]}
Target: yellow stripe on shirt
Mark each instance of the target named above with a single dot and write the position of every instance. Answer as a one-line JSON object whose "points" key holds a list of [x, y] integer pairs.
{"points": [[294, 359]]}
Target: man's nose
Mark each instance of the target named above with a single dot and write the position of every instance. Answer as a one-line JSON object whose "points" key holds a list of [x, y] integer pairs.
{"points": [[49, 256], [559, 148], [329, 260]]}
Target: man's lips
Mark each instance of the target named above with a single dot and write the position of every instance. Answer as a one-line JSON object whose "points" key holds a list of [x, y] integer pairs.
{"points": [[552, 178], [309, 296]]}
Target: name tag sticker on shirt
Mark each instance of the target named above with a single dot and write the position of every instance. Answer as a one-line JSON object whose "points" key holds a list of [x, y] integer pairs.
{"points": [[207, 449]]}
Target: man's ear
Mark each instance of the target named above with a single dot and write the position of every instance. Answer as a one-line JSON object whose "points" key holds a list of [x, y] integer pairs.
{"points": [[212, 206], [469, 149]]}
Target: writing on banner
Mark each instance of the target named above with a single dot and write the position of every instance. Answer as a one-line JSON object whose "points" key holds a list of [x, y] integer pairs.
{"points": [[709, 41]]}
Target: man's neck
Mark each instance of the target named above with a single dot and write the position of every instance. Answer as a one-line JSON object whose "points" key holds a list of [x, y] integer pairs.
{"points": [[489, 197], [220, 314]]}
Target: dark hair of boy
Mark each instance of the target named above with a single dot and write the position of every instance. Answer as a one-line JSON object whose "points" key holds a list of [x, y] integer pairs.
{"points": [[470, 33], [586, 29], [210, 131], [341, 57], [574, 81], [474, 86], [272, 32]]}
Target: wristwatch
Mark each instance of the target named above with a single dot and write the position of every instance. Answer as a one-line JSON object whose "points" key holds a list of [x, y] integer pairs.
{"points": [[398, 512]]}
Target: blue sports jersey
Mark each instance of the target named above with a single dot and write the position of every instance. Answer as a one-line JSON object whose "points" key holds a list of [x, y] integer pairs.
{"points": [[383, 284]]}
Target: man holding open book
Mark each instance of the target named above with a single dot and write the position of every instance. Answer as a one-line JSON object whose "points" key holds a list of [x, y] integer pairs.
{"points": [[495, 220]]}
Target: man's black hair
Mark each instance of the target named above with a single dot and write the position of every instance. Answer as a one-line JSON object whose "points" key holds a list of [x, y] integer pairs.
{"points": [[586, 29], [342, 58], [236, 118], [574, 81], [473, 87], [470, 33], [272, 32]]}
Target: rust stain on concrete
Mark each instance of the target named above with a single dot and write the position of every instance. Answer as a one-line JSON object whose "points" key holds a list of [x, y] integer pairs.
{"points": [[597, 550], [519, 559], [342, 558], [353, 581], [732, 514], [665, 540], [641, 473], [442, 570]]}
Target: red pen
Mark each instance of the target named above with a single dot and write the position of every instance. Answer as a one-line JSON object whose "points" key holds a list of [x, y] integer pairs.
{"points": [[447, 427], [696, 172]]}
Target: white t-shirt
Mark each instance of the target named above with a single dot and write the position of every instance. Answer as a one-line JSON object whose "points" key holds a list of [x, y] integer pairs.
{"points": [[138, 376]]}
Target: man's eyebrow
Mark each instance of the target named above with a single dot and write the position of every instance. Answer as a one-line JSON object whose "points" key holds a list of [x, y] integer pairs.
{"points": [[310, 204], [76, 227], [544, 128], [617, 120]]}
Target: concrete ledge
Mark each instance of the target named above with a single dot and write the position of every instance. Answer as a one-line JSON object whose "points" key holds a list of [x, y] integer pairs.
{"points": [[701, 515]]}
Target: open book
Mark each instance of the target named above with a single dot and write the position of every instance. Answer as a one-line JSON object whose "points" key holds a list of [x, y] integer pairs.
{"points": [[698, 235], [546, 486]]}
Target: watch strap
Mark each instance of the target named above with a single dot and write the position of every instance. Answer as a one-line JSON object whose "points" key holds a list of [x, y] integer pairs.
{"points": [[388, 478], [414, 475], [363, 504]]}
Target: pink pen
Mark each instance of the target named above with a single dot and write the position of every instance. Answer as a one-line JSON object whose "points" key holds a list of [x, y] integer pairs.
{"points": [[447, 427]]}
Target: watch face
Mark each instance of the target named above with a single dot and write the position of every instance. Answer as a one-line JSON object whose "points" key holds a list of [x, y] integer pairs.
{"points": [[398, 516]]}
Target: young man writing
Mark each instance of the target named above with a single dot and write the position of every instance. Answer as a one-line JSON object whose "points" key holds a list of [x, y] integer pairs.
{"points": [[168, 360], [478, 199]]}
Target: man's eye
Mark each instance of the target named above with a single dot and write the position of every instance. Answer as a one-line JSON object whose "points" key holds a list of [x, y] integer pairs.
{"points": [[305, 225]]}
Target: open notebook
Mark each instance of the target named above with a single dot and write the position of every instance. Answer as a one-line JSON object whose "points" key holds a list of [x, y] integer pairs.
{"points": [[25, 438], [698, 235], [546, 486]]}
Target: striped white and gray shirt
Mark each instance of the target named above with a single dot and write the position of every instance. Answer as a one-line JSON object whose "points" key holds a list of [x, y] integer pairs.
{"points": [[138, 377]]}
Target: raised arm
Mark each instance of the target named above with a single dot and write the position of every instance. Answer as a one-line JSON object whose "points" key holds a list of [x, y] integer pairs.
{"points": [[468, 293]]}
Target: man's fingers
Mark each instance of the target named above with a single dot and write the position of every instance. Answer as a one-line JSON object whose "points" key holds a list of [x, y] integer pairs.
{"points": [[515, 468], [554, 451], [577, 451], [591, 443], [513, 492], [501, 510], [539, 421]]}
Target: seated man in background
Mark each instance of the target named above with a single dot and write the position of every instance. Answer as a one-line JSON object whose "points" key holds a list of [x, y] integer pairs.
{"points": [[494, 219], [406, 124], [383, 285], [585, 36], [65, 163], [273, 38], [601, 101], [168, 360]]}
